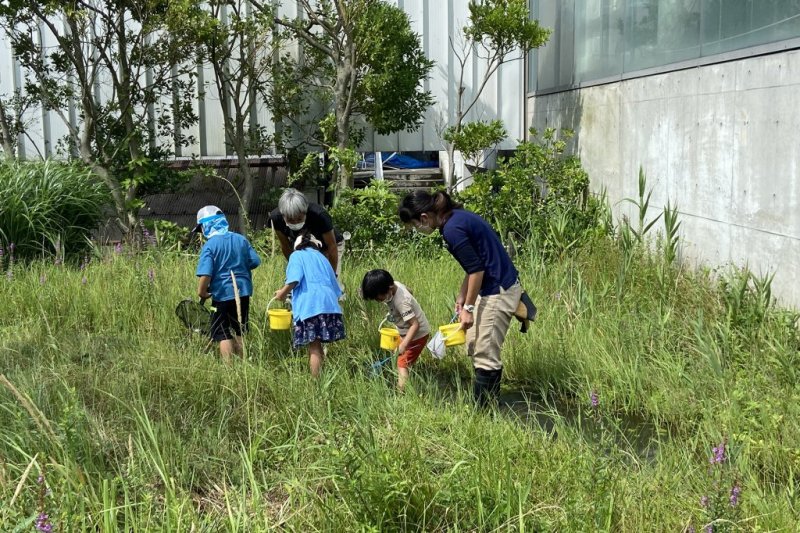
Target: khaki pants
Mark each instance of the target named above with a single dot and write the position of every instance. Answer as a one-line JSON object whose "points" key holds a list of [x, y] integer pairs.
{"points": [[492, 317]]}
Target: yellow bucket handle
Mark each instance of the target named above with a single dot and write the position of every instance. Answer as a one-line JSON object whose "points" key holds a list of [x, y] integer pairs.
{"points": [[380, 326], [270, 303], [452, 321]]}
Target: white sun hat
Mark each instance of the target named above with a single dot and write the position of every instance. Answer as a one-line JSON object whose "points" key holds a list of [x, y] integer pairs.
{"points": [[208, 211]]}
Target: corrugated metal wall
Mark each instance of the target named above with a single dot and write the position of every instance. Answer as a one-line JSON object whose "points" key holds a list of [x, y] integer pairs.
{"points": [[437, 21]]}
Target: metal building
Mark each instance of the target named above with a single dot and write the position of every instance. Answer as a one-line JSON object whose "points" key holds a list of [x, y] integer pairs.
{"points": [[436, 21]]}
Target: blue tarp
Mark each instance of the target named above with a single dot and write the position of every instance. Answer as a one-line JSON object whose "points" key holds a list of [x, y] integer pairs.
{"points": [[395, 160]]}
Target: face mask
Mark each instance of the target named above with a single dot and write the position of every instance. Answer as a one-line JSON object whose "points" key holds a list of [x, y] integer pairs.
{"points": [[426, 230], [296, 227]]}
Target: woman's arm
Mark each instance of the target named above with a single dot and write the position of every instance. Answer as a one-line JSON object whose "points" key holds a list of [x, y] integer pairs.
{"points": [[462, 295], [286, 248], [474, 282], [331, 250]]}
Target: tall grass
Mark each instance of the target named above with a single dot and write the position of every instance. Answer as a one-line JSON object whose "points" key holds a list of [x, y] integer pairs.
{"points": [[48, 207], [135, 425]]}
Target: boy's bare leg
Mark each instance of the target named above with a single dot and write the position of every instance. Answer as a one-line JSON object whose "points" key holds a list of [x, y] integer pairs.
{"points": [[402, 378], [315, 357], [226, 350]]}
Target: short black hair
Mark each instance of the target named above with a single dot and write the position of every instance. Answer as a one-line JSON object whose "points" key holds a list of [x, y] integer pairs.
{"points": [[376, 282]]}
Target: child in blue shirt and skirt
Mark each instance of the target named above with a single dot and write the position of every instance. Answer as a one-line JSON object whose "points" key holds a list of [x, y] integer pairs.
{"points": [[315, 299]]}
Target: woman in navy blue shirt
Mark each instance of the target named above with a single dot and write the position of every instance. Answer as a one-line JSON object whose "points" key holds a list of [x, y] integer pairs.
{"points": [[490, 293]]}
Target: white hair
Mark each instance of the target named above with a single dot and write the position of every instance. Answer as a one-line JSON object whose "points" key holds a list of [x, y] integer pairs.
{"points": [[292, 204]]}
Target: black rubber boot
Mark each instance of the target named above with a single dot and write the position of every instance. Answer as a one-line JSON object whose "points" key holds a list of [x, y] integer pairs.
{"points": [[486, 388]]}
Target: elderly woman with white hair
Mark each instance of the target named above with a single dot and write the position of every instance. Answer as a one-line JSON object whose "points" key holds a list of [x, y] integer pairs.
{"points": [[294, 215]]}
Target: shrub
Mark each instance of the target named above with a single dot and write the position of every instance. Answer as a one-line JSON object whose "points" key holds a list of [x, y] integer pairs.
{"points": [[539, 192], [369, 214], [44, 205]]}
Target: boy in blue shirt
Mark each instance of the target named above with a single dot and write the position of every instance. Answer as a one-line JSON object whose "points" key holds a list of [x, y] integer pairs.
{"points": [[224, 256]]}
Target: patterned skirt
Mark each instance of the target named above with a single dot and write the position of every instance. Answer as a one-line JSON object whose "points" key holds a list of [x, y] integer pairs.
{"points": [[325, 328]]}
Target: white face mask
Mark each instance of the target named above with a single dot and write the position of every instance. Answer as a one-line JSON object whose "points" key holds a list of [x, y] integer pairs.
{"points": [[422, 227], [296, 227], [425, 230]]}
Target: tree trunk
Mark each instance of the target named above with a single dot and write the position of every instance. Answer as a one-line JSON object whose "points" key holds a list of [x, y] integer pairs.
{"points": [[100, 170], [345, 175], [345, 74], [449, 171], [126, 110], [244, 171], [8, 147], [247, 194]]}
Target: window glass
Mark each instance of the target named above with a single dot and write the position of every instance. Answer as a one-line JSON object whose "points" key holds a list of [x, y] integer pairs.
{"points": [[600, 39], [547, 55], [660, 32], [735, 24]]}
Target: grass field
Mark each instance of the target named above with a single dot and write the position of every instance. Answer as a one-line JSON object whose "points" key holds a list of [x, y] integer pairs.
{"points": [[113, 418]]}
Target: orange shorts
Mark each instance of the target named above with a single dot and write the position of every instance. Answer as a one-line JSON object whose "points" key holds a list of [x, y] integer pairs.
{"points": [[409, 357]]}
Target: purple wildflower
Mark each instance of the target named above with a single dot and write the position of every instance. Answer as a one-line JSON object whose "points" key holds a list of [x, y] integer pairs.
{"points": [[148, 237], [151, 275], [594, 398], [719, 453], [735, 491], [704, 501], [40, 479], [118, 248], [43, 523], [709, 528]]}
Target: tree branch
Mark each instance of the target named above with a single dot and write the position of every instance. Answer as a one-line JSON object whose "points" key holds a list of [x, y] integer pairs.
{"points": [[307, 36]]}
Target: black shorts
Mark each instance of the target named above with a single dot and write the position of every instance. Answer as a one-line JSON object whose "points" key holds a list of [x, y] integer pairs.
{"points": [[225, 320]]}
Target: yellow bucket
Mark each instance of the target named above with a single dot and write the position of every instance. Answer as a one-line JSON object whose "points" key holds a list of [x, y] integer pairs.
{"points": [[453, 334], [280, 319], [390, 338]]}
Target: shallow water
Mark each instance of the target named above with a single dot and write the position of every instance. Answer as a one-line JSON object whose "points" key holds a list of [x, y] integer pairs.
{"points": [[633, 435]]}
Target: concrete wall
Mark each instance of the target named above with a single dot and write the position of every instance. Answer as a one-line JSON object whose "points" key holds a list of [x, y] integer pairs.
{"points": [[721, 141]]}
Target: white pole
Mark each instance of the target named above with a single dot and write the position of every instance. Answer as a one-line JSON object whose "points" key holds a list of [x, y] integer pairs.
{"points": [[378, 166]]}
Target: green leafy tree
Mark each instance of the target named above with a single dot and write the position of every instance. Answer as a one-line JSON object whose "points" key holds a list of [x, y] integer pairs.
{"points": [[12, 121], [367, 62], [496, 29], [115, 61], [237, 43], [475, 137]]}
